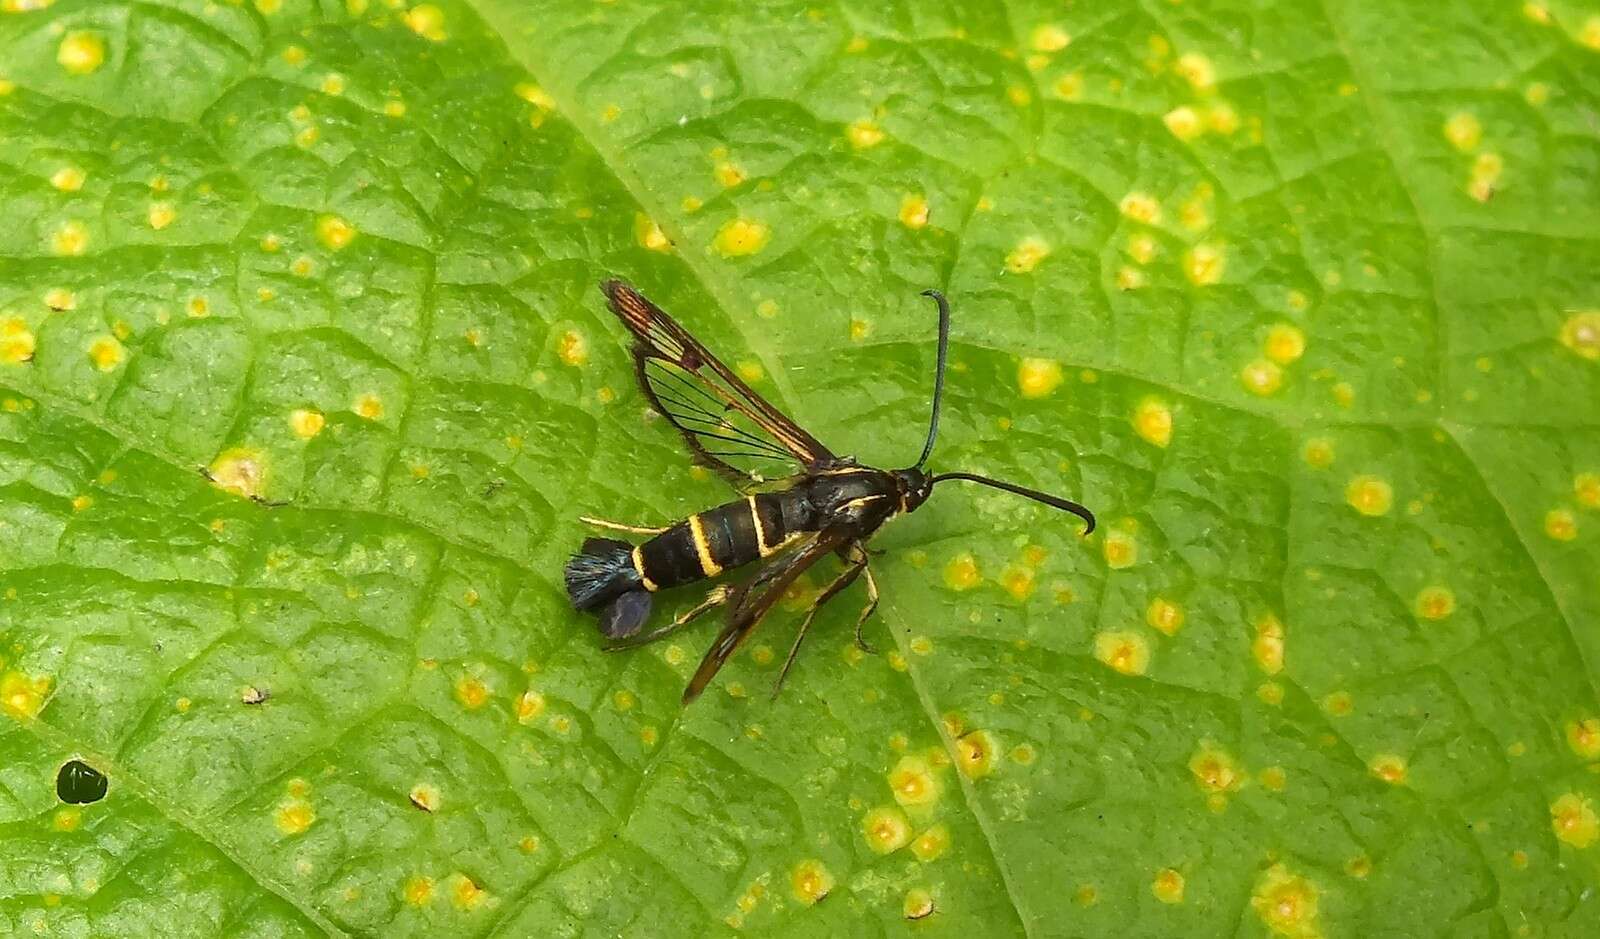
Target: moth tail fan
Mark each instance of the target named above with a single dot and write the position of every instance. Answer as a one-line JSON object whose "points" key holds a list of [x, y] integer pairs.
{"points": [[600, 573]]}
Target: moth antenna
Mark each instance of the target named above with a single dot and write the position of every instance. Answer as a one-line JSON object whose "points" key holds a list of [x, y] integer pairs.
{"points": [[938, 374], [1066, 505]]}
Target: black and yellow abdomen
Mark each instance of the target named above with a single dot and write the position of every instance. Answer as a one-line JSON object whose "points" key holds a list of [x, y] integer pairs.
{"points": [[731, 535]]}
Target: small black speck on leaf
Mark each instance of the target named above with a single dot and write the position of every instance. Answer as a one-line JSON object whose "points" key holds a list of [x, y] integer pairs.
{"points": [[78, 783]]}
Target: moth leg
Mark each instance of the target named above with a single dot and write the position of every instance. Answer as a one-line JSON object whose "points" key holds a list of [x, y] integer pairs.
{"points": [[719, 595], [844, 580], [866, 611], [618, 526]]}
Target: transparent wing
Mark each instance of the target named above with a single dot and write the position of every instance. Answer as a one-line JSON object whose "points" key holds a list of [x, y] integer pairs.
{"points": [[729, 427]]}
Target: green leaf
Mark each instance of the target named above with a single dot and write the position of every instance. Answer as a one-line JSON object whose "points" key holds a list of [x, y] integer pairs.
{"points": [[1299, 298]]}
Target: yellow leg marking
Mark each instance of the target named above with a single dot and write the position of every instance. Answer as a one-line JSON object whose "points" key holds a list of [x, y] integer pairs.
{"points": [[619, 526], [638, 565], [761, 536], [702, 547]]}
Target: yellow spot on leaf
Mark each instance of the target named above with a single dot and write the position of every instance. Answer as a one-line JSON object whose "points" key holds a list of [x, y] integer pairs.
{"points": [[886, 829], [1274, 778], [1183, 122], [573, 348], [1214, 769], [918, 904], [1164, 616], [69, 240], [1369, 495], [976, 754], [1152, 419], [471, 692], [962, 573], [649, 234], [294, 816], [1268, 646], [418, 890], [931, 844], [1069, 86], [1463, 131], [1017, 581], [912, 782], [1037, 378], [369, 406], [1204, 264], [427, 21], [425, 796], [241, 471], [67, 179], [1561, 524], [67, 818], [1585, 486], [1389, 767], [306, 423], [22, 695], [728, 174], [1435, 602], [1141, 207], [1486, 170], [1168, 886], [160, 215], [810, 881], [1286, 903], [530, 704], [1318, 453], [1589, 33], [334, 232], [1573, 819], [1027, 255], [1124, 652], [1049, 38], [16, 341], [1143, 248], [1197, 70], [1120, 549], [1285, 343], [1581, 334], [1261, 377], [1583, 736], [465, 894], [81, 53], [863, 134], [741, 237], [535, 95], [1222, 118], [914, 211]]}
